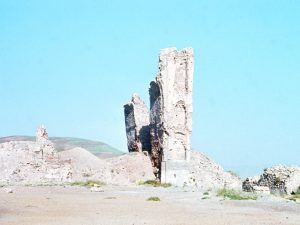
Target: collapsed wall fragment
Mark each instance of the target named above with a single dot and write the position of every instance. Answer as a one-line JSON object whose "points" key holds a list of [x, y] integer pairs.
{"points": [[137, 125], [46, 147], [282, 179]]}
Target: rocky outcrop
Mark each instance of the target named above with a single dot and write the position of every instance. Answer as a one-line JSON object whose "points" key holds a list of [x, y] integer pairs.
{"points": [[280, 179], [137, 125]]}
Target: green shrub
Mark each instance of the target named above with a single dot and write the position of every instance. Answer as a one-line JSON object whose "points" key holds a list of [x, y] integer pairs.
{"points": [[154, 183], [154, 199], [235, 195], [298, 191], [277, 181], [88, 183], [206, 193], [295, 195]]}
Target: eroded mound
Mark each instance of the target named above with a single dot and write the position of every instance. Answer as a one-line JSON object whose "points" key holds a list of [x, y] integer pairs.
{"points": [[25, 162], [206, 174]]}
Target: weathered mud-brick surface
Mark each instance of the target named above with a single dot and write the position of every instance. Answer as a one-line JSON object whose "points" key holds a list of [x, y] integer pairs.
{"points": [[46, 147], [171, 114], [137, 125], [41, 135], [21, 163]]}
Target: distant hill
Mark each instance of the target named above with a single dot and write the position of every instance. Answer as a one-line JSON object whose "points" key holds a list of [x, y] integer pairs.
{"points": [[65, 143]]}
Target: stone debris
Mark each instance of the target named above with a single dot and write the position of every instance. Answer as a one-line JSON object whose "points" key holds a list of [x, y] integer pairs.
{"points": [[264, 190], [280, 179], [20, 163], [137, 125], [205, 174], [23, 163], [130, 168], [8, 190], [96, 189]]}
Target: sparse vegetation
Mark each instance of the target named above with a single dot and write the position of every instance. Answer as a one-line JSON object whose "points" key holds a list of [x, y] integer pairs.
{"points": [[206, 193], [154, 183], [205, 198], [279, 194], [88, 183], [154, 199], [233, 173], [235, 195], [298, 191], [66, 143], [295, 195], [277, 181]]}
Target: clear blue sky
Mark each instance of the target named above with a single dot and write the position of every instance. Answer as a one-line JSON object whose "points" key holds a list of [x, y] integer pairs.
{"points": [[71, 65]]}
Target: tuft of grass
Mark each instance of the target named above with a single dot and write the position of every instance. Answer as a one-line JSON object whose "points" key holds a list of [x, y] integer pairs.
{"points": [[234, 195], [206, 193], [154, 199], [205, 198], [88, 183], [154, 183]]}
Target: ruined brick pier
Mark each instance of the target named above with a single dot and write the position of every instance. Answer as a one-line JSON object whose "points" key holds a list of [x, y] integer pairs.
{"points": [[165, 132]]}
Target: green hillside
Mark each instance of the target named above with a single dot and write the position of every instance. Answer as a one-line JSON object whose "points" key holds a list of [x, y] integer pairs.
{"points": [[65, 143]]}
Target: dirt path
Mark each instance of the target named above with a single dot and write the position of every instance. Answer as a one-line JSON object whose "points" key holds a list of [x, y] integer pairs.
{"points": [[128, 205]]}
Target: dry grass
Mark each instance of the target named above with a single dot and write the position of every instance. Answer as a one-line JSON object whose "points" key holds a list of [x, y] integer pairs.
{"points": [[154, 183], [154, 199], [235, 195], [295, 196], [88, 183]]}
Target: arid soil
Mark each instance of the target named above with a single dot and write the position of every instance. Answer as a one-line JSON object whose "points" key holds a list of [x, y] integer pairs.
{"points": [[128, 205]]}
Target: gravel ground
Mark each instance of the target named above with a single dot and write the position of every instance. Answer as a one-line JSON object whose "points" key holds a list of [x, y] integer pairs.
{"points": [[128, 205]]}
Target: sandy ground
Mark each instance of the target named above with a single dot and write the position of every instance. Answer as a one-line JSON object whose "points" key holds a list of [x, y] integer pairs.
{"points": [[128, 205]]}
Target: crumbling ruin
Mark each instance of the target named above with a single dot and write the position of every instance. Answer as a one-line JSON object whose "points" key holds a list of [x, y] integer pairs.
{"points": [[46, 147], [41, 135], [170, 116], [137, 125], [39, 163], [277, 179]]}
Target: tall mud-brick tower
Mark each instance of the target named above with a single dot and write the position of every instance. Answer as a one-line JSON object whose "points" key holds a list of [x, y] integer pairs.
{"points": [[171, 115]]}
